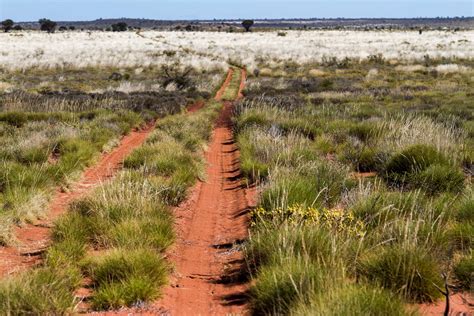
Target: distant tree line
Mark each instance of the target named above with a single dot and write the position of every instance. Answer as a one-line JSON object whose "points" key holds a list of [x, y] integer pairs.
{"points": [[9, 25]]}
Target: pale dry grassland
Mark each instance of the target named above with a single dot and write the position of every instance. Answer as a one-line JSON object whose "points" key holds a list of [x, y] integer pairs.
{"points": [[211, 50]]}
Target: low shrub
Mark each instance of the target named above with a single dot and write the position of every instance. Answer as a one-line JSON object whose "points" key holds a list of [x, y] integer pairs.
{"points": [[412, 273]]}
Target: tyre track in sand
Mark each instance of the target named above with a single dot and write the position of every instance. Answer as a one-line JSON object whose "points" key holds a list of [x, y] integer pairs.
{"points": [[211, 225], [33, 239]]}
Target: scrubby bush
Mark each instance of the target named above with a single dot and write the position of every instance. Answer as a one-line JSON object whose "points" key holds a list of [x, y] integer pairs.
{"points": [[181, 78]]}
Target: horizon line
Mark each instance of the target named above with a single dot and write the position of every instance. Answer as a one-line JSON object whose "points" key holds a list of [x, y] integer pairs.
{"points": [[263, 18]]}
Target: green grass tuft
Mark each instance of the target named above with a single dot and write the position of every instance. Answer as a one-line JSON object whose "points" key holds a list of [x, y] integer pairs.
{"points": [[412, 273], [40, 292], [353, 300], [125, 277], [464, 272]]}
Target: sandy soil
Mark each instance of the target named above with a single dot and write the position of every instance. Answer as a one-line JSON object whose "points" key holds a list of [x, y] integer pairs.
{"points": [[460, 305], [196, 106]]}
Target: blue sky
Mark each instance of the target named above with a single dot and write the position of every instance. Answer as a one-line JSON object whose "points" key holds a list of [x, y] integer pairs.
{"points": [[31, 10]]}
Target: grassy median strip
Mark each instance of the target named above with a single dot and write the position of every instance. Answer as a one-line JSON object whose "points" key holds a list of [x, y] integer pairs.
{"points": [[233, 89]]}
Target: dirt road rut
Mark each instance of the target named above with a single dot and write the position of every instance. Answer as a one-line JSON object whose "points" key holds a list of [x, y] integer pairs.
{"points": [[211, 225]]}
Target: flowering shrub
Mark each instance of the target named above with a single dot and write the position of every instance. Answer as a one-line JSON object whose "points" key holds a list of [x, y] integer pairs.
{"points": [[333, 219]]}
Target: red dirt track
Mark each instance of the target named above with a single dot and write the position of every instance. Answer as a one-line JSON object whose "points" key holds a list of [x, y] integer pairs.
{"points": [[460, 305], [33, 239], [210, 226], [225, 85], [196, 106]]}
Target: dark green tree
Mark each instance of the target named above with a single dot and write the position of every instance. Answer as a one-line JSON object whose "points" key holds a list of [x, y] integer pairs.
{"points": [[247, 24], [47, 25], [119, 27], [7, 25]]}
